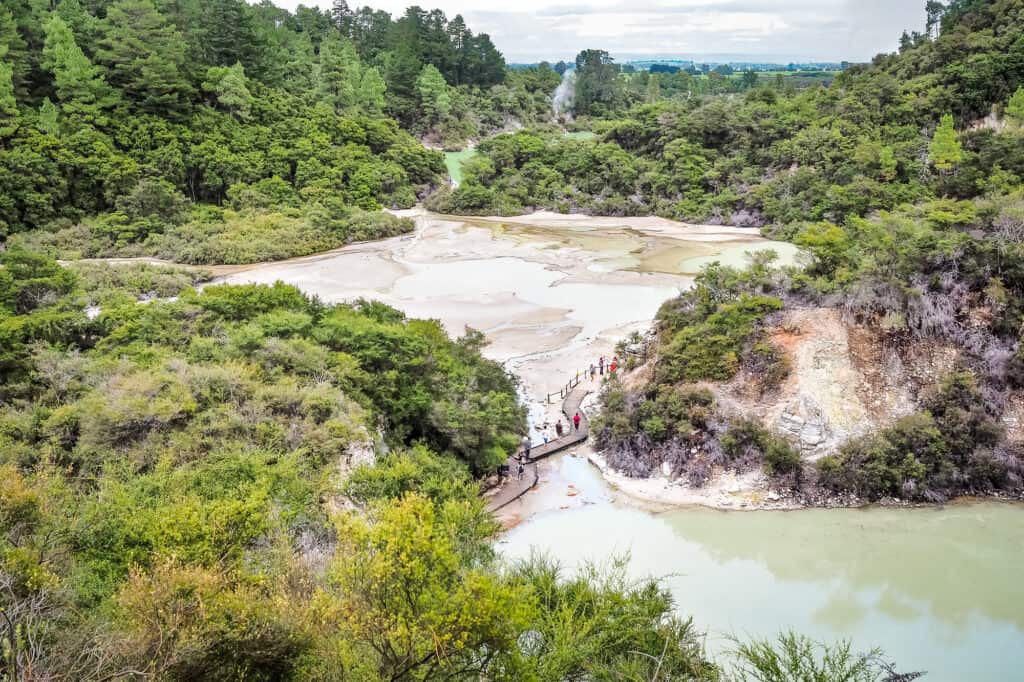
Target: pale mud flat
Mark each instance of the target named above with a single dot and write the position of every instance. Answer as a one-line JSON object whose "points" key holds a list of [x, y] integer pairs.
{"points": [[552, 293]]}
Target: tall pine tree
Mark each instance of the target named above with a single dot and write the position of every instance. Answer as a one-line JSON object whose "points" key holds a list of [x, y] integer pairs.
{"points": [[945, 151], [145, 55], [340, 72], [14, 50], [8, 105], [79, 84]]}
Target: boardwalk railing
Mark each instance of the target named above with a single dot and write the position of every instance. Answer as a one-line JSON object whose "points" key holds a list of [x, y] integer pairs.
{"points": [[514, 489], [564, 392]]}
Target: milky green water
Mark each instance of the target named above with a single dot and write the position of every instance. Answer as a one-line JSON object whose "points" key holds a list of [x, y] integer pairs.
{"points": [[454, 160], [939, 589]]}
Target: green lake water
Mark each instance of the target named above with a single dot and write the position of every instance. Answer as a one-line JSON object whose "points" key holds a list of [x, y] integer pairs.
{"points": [[454, 160], [939, 589]]}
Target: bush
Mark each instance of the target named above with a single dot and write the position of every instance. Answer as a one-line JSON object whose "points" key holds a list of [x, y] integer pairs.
{"points": [[709, 347], [929, 455]]}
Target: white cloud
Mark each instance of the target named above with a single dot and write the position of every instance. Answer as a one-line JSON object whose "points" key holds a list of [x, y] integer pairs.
{"points": [[833, 30]]}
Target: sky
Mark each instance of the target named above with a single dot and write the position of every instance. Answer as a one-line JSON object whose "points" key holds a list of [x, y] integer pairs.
{"points": [[763, 30]]}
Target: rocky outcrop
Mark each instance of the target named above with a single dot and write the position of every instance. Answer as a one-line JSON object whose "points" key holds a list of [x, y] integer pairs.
{"points": [[805, 423], [844, 381]]}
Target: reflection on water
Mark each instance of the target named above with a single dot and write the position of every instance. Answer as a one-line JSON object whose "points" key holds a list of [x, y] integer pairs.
{"points": [[938, 589]]}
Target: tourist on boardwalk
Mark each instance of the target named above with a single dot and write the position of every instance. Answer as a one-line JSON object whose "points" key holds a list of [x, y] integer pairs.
{"points": [[526, 446], [558, 428], [600, 365], [576, 421], [519, 473], [593, 371], [612, 367]]}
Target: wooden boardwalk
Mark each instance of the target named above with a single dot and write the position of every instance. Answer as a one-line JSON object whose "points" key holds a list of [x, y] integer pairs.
{"points": [[514, 488]]}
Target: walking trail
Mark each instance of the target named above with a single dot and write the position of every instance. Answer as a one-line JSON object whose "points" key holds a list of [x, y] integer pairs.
{"points": [[514, 488]]}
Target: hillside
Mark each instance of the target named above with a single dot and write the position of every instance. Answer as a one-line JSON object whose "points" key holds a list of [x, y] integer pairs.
{"points": [[218, 131], [775, 155], [890, 364]]}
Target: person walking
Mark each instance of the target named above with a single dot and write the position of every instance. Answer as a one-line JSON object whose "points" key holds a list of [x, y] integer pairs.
{"points": [[576, 421], [600, 365], [526, 446], [558, 428], [593, 371], [519, 472]]}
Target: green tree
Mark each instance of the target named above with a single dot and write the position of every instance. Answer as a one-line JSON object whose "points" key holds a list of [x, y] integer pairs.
{"points": [[796, 658], [945, 151], [372, 90], [79, 83], [933, 10], [410, 589], [1015, 107], [653, 89], [8, 105], [597, 82], [227, 37], [145, 55], [13, 50], [433, 93], [229, 85], [340, 74]]}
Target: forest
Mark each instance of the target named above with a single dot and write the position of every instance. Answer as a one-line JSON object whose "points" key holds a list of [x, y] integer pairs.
{"points": [[216, 131]]}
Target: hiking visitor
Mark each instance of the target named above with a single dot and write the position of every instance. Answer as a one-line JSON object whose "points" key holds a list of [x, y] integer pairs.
{"points": [[593, 371], [612, 367], [600, 365], [576, 421], [526, 446], [558, 428], [519, 473]]}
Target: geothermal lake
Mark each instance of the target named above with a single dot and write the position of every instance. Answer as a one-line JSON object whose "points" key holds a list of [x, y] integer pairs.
{"points": [[551, 292], [938, 589]]}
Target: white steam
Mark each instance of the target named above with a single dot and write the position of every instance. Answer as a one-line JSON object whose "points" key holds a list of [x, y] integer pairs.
{"points": [[565, 93]]}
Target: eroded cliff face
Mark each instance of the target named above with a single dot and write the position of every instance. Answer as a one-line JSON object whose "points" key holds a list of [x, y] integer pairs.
{"points": [[845, 380]]}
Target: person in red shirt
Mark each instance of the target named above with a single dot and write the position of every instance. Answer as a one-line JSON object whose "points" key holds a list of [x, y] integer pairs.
{"points": [[576, 421]]}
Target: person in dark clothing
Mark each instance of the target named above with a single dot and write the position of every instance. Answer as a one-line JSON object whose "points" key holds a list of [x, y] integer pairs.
{"points": [[558, 428], [519, 474], [600, 365]]}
